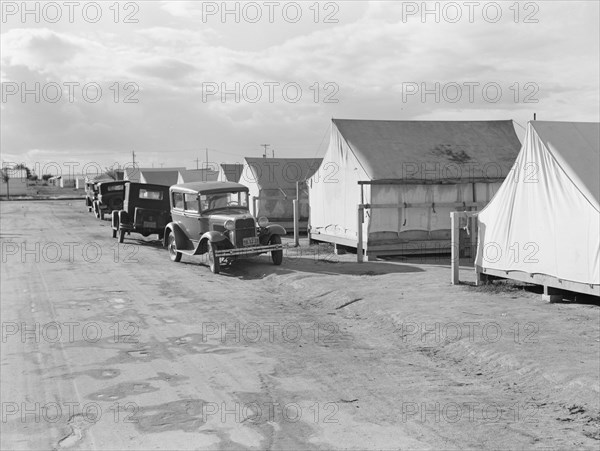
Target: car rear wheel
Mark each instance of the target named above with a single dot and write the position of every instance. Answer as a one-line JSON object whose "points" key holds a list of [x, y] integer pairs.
{"points": [[172, 247], [276, 256], [114, 233], [213, 260]]}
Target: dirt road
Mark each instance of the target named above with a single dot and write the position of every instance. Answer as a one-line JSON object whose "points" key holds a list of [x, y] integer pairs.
{"points": [[112, 346]]}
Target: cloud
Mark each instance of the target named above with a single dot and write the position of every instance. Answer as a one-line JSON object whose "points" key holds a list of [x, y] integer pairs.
{"points": [[368, 57], [167, 69], [40, 49]]}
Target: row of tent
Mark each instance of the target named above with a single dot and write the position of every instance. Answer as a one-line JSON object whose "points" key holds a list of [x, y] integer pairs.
{"points": [[387, 187], [273, 183]]}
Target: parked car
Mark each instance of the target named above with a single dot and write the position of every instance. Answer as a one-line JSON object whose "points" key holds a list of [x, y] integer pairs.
{"points": [[146, 210], [213, 218], [91, 194], [110, 197]]}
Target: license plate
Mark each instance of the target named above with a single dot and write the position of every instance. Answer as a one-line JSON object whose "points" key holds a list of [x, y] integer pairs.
{"points": [[252, 241], [149, 225]]}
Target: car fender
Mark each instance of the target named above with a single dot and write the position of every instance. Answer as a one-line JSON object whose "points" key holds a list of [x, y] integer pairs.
{"points": [[275, 229], [181, 240], [211, 236]]}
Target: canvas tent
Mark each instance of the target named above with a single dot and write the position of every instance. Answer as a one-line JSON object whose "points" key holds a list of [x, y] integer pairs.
{"points": [[134, 173], [543, 224], [408, 176], [231, 172], [197, 175], [165, 178], [98, 178], [272, 183]]}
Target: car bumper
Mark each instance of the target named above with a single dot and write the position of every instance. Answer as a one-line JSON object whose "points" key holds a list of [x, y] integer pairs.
{"points": [[249, 250]]}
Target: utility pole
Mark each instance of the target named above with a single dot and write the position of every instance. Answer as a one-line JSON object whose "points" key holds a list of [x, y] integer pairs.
{"points": [[133, 157], [207, 158], [265, 152], [273, 153], [197, 160]]}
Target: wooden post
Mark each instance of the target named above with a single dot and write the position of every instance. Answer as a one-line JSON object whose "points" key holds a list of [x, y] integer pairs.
{"points": [[359, 247], [295, 205], [455, 246]]}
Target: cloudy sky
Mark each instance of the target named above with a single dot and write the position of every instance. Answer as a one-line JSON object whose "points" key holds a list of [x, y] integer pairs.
{"points": [[92, 82]]}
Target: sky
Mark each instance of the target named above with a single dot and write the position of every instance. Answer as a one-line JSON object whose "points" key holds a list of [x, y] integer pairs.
{"points": [[85, 84]]}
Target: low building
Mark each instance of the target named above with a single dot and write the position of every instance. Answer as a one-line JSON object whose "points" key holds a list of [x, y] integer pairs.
{"points": [[17, 183]]}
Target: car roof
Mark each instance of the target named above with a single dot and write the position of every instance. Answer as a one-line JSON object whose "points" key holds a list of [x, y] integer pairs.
{"points": [[148, 185], [204, 187], [113, 182]]}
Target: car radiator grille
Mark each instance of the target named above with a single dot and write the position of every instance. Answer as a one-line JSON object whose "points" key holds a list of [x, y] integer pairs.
{"points": [[244, 228]]}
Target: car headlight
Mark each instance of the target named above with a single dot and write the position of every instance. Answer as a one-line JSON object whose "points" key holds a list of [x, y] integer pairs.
{"points": [[229, 224], [263, 221]]}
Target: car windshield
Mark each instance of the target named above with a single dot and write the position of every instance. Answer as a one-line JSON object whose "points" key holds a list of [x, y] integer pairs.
{"points": [[212, 201], [114, 188]]}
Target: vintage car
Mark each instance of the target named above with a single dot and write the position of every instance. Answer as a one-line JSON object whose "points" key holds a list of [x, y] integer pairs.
{"points": [[91, 194], [110, 197], [213, 218], [146, 210]]}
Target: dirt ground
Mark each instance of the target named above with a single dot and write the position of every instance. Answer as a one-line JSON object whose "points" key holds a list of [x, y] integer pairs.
{"points": [[113, 346]]}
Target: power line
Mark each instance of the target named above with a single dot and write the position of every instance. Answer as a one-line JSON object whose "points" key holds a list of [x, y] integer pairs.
{"points": [[265, 152]]}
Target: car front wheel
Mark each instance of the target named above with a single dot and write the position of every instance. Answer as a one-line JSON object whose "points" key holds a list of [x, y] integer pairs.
{"points": [[213, 260], [276, 256], [172, 246]]}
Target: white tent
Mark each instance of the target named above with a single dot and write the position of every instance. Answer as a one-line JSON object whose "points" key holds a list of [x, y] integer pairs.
{"points": [[272, 186], [133, 174], [230, 172], [197, 175], [409, 175], [165, 178], [543, 224]]}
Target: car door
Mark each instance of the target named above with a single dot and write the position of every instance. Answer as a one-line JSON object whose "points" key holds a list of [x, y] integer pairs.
{"points": [[191, 216]]}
